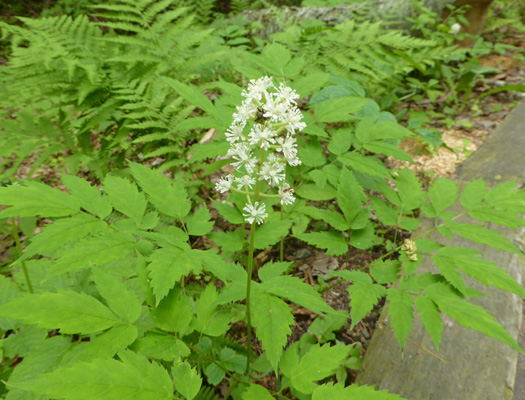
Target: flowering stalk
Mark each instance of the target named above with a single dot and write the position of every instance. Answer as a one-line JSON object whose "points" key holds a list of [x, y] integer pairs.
{"points": [[271, 117]]}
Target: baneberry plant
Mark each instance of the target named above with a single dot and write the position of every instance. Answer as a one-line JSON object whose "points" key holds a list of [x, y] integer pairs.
{"points": [[124, 304]]}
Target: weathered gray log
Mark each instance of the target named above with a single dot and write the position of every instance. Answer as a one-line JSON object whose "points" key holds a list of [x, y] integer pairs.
{"points": [[476, 367]]}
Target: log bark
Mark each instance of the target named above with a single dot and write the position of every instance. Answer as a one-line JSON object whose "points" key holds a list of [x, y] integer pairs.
{"points": [[469, 365]]}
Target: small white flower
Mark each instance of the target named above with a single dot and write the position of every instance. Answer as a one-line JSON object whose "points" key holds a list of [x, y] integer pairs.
{"points": [[293, 120], [258, 88], [245, 182], [256, 212], [224, 184], [242, 153], [455, 29], [287, 94], [274, 109], [244, 112], [262, 135], [234, 133], [288, 146], [286, 194], [272, 172]]}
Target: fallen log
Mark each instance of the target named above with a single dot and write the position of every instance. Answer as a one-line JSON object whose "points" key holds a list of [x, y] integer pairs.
{"points": [[469, 365]]}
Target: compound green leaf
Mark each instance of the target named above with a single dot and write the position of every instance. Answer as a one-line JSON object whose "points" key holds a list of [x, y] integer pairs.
{"points": [[186, 379], [448, 269], [384, 271], [367, 130], [294, 289], [350, 195], [363, 298], [174, 313], [271, 232], [229, 213], [35, 198], [324, 327], [506, 196], [120, 299], [311, 191], [210, 321], [108, 379], [125, 197], [431, 318], [202, 151], [214, 374], [497, 216], [312, 154], [199, 223], [212, 262], [89, 197], [232, 360], [469, 315], [228, 241], [306, 85], [56, 235], [334, 242], [21, 343], [485, 271], [443, 194], [481, 234], [256, 392], [162, 347], [318, 363], [273, 270], [387, 214], [277, 55], [105, 345], [338, 110], [363, 238], [409, 190], [333, 218], [473, 194], [168, 197], [341, 141], [92, 252], [354, 392], [69, 311], [44, 358], [369, 165], [387, 149], [364, 294], [400, 311], [167, 266], [272, 319]]}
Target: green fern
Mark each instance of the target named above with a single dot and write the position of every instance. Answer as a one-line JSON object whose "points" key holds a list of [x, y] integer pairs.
{"points": [[106, 78]]}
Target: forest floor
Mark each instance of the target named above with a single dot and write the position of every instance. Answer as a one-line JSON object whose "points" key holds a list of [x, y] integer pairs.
{"points": [[470, 129]]}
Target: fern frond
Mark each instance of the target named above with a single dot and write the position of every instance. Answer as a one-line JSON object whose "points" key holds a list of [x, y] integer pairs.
{"points": [[162, 151], [151, 12]]}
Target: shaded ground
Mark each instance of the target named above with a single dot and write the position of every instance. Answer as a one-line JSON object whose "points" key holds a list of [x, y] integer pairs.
{"points": [[463, 137]]}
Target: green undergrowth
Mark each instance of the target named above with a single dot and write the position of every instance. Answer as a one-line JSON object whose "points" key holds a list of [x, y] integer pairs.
{"points": [[127, 274]]}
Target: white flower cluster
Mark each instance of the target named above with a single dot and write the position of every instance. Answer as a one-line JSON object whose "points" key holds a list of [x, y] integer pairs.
{"points": [[455, 29], [272, 117], [410, 248]]}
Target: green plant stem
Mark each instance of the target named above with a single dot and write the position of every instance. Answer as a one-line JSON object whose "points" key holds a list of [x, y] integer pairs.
{"points": [[250, 269], [19, 250], [281, 248], [248, 299]]}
